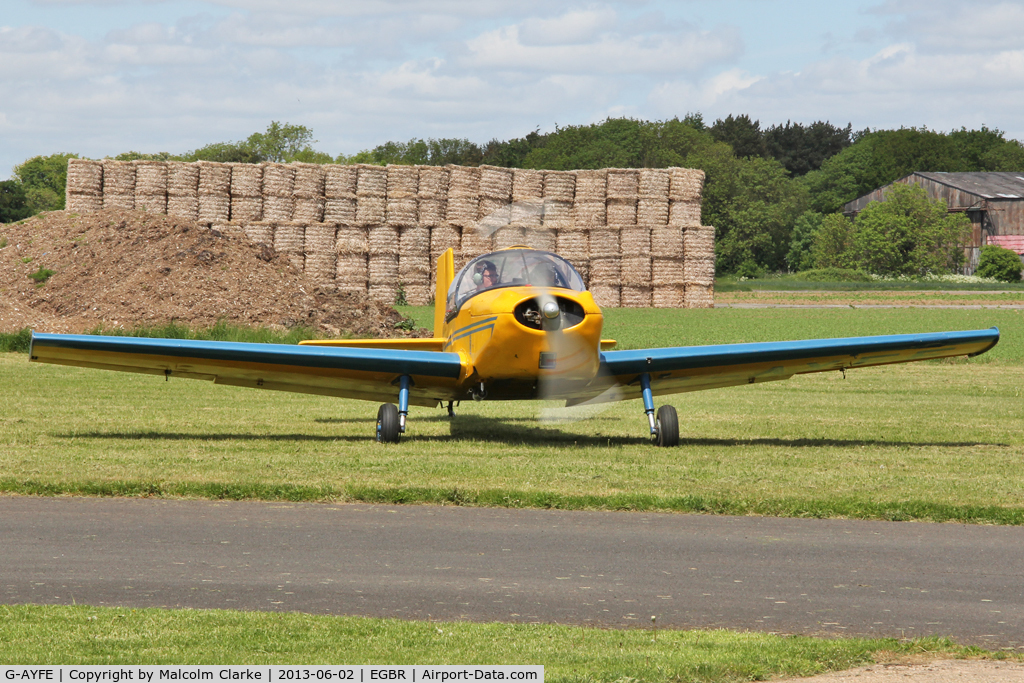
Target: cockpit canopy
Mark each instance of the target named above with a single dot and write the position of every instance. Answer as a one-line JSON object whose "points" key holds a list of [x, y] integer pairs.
{"points": [[511, 268]]}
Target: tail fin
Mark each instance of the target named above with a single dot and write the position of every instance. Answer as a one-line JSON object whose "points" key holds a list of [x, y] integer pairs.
{"points": [[445, 275]]}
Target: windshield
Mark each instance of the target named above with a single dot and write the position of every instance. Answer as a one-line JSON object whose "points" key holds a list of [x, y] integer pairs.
{"points": [[511, 268]]}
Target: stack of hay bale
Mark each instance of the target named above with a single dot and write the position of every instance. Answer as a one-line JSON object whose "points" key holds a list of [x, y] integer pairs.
{"points": [[591, 212], [382, 238], [118, 184], [572, 239], [413, 239], [463, 213], [321, 253], [214, 192], [527, 210], [308, 193], [634, 239], [495, 207], [666, 241], [432, 204], [84, 185], [340, 209], [686, 188], [340, 194], [278, 192], [151, 186], [290, 240], [183, 190], [246, 193]]}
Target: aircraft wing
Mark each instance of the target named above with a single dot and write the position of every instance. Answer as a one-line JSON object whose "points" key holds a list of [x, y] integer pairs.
{"points": [[694, 368], [369, 374]]}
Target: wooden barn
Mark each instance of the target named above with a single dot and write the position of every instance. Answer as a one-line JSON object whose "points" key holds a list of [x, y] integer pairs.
{"points": [[993, 201]]}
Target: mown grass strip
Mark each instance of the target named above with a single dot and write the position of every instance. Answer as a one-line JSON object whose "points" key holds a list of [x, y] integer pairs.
{"points": [[896, 511], [92, 635]]}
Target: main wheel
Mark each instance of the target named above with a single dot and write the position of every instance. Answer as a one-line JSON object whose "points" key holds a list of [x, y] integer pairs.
{"points": [[387, 424], [667, 426]]}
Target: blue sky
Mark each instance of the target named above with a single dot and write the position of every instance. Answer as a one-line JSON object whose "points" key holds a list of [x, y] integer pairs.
{"points": [[100, 77]]}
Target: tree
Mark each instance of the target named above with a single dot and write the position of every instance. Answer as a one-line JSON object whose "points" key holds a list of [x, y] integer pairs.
{"points": [[831, 244], [44, 181], [742, 134], [799, 256], [908, 234], [999, 263], [280, 142], [13, 202], [802, 149], [225, 153]]}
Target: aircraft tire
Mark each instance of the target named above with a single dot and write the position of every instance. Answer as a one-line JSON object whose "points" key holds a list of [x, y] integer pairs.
{"points": [[667, 426], [387, 424]]}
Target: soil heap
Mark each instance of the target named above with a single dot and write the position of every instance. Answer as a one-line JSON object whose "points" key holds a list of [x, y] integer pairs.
{"points": [[130, 269]]}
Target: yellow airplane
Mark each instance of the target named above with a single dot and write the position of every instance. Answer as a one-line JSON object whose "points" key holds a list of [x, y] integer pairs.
{"points": [[514, 324]]}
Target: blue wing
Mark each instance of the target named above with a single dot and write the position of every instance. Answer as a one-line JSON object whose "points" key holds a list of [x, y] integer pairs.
{"points": [[369, 374], [694, 368]]}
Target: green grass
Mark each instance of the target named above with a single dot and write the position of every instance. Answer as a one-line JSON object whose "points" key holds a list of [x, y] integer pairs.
{"points": [[90, 635], [847, 281]]}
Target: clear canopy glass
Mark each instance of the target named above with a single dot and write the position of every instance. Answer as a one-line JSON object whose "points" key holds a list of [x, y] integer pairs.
{"points": [[511, 268]]}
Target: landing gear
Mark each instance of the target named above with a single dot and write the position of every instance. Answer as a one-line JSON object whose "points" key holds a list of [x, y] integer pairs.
{"points": [[664, 428], [388, 430], [451, 409]]}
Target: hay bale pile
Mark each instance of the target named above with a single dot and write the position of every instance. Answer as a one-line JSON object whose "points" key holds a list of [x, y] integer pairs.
{"points": [[635, 235]]}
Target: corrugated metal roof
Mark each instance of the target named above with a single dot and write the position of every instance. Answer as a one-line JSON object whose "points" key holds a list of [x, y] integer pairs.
{"points": [[993, 186]]}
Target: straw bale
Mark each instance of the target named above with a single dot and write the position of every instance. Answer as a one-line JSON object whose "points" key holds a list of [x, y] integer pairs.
{"points": [[320, 267], [635, 270], [589, 215], [462, 210], [309, 181], [118, 201], [351, 241], [667, 241], [699, 296], [246, 209], [560, 185], [573, 245], [509, 236], [414, 269], [278, 180], [621, 212], [604, 243], [79, 203], [320, 237], [402, 211], [118, 177], [246, 180], [214, 208], [558, 215], [403, 181], [85, 177], [592, 186], [382, 269], [464, 181], [686, 184], [635, 241], [309, 210], [431, 211], [699, 242], [260, 233], [442, 238], [182, 179], [350, 273], [653, 182], [652, 211], [184, 207], [636, 296], [370, 210], [433, 182], [605, 296], [582, 266], [340, 181], [418, 294], [150, 177], [278, 208], [151, 203], [384, 293], [371, 181], [496, 183], [684, 213], [606, 271], [290, 238], [340, 210], [493, 214], [527, 213], [214, 179], [667, 271], [414, 241], [527, 185], [667, 296], [544, 239], [623, 183], [382, 239], [474, 243], [699, 271]]}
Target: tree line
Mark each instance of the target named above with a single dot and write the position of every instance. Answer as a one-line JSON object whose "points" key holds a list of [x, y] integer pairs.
{"points": [[774, 194]]}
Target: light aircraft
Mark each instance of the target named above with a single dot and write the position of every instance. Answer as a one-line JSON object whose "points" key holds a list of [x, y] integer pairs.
{"points": [[515, 324]]}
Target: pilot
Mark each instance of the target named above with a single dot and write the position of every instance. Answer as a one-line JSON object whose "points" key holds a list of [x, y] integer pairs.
{"points": [[486, 275]]}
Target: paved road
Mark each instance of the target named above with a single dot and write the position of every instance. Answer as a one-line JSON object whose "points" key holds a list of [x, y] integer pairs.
{"points": [[615, 569]]}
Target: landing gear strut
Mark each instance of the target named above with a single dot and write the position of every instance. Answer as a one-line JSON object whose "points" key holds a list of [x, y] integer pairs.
{"points": [[391, 419], [664, 428]]}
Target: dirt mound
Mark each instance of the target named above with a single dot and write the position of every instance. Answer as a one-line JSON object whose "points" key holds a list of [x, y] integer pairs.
{"points": [[132, 269]]}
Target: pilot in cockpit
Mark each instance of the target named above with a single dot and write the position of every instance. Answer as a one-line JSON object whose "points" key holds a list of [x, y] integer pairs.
{"points": [[486, 275]]}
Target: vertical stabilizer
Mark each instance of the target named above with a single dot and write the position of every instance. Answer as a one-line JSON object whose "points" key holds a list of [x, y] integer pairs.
{"points": [[445, 275]]}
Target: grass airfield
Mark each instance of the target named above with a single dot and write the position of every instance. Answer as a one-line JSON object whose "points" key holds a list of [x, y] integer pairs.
{"points": [[929, 441]]}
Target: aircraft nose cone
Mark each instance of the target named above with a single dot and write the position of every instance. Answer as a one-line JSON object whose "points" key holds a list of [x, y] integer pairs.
{"points": [[550, 310]]}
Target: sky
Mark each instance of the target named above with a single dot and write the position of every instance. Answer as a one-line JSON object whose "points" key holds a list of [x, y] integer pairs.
{"points": [[101, 77]]}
